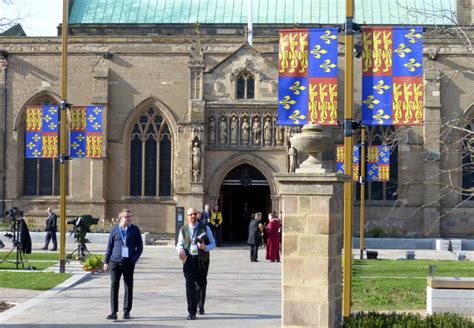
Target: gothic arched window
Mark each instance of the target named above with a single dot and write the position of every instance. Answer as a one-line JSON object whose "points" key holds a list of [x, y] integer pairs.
{"points": [[40, 175], [382, 190], [468, 164], [245, 86], [150, 155]]}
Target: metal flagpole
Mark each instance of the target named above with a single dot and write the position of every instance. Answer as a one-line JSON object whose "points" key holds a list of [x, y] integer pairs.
{"points": [[249, 23], [62, 136], [348, 145], [362, 191]]}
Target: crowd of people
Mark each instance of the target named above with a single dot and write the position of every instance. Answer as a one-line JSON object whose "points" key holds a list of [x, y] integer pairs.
{"points": [[201, 234]]}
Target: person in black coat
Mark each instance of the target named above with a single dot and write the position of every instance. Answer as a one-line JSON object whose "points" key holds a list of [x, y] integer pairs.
{"points": [[124, 248], [51, 228], [255, 233]]}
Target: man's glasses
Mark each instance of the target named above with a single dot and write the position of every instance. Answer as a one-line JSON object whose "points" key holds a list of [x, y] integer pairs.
{"points": [[127, 216], [192, 214]]}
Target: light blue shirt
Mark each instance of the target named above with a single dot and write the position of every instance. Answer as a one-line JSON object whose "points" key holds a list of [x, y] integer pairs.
{"points": [[210, 247]]}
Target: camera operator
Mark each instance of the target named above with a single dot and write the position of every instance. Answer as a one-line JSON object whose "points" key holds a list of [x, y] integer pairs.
{"points": [[19, 231], [51, 228], [194, 243]]}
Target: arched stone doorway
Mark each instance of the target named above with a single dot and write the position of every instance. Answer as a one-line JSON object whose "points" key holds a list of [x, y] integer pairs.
{"points": [[243, 192], [244, 178]]}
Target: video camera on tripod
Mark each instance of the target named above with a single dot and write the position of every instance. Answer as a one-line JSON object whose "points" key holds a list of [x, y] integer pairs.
{"points": [[19, 234], [81, 226]]}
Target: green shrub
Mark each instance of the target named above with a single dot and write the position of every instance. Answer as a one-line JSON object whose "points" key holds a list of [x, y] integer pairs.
{"points": [[93, 262], [406, 320], [375, 232]]}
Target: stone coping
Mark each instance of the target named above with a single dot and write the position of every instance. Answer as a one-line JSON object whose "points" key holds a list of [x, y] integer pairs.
{"points": [[410, 243], [451, 282]]}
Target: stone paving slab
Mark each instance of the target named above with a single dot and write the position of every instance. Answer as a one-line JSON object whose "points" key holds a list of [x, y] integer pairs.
{"points": [[240, 294]]}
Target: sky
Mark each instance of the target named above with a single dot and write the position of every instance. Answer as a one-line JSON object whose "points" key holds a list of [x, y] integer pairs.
{"points": [[37, 17]]}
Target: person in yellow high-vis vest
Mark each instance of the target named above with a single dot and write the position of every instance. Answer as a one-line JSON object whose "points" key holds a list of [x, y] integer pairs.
{"points": [[216, 222]]}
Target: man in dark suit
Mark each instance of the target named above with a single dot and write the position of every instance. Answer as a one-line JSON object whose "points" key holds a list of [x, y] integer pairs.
{"points": [[51, 228], [123, 250], [255, 232]]}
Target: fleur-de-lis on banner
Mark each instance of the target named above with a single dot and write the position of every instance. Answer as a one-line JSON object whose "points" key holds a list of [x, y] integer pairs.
{"points": [[296, 88], [96, 125], [296, 116], [317, 51], [80, 153], [36, 137], [327, 65], [380, 116], [327, 36], [371, 101], [412, 35], [412, 65], [36, 153], [380, 87], [80, 137], [74, 145], [287, 102], [91, 118], [52, 126], [97, 110], [30, 145], [402, 50], [47, 118]]}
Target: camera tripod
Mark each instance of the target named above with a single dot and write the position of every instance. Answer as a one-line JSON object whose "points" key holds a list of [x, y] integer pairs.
{"points": [[81, 250], [16, 246]]}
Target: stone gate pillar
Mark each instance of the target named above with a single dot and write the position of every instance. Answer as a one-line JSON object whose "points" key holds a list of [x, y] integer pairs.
{"points": [[312, 241]]}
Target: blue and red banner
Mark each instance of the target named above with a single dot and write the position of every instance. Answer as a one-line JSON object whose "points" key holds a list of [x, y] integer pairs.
{"points": [[340, 168], [86, 131], [42, 132], [378, 163], [307, 82], [392, 76]]}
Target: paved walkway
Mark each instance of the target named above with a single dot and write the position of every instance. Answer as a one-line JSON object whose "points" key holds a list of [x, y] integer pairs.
{"points": [[240, 294]]}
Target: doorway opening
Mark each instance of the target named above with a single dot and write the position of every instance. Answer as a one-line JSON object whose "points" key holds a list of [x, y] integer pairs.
{"points": [[243, 192]]}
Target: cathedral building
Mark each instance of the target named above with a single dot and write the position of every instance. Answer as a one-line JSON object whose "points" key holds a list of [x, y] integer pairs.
{"points": [[190, 113]]}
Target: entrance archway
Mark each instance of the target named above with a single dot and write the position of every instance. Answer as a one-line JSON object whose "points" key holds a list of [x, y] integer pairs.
{"points": [[243, 192]]}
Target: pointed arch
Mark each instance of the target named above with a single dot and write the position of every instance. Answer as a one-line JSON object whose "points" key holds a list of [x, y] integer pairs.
{"points": [[149, 133], [33, 100], [226, 167]]}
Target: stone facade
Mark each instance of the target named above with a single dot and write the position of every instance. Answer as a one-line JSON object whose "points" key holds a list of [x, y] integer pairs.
{"points": [[191, 80]]}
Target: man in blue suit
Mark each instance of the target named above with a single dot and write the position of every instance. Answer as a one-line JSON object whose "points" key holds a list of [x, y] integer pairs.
{"points": [[123, 250]]}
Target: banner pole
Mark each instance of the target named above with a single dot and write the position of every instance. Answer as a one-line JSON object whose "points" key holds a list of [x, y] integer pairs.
{"points": [[362, 192], [62, 138], [348, 146]]}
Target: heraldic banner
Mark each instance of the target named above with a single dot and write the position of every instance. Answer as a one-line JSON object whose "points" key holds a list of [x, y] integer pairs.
{"points": [[307, 82], [378, 163], [42, 131], [86, 131], [392, 76], [355, 161]]}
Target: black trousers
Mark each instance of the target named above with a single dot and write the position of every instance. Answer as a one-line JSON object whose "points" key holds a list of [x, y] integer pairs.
{"points": [[253, 253], [117, 269], [51, 236], [195, 273]]}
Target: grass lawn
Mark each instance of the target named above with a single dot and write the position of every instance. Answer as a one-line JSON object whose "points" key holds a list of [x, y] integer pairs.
{"points": [[39, 260], [398, 284], [31, 280]]}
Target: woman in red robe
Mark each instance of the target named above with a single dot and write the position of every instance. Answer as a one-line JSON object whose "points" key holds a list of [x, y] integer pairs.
{"points": [[273, 239]]}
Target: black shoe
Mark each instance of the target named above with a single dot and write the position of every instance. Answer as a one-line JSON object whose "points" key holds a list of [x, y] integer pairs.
{"points": [[45, 248], [201, 311], [126, 315], [53, 249], [191, 317], [112, 316]]}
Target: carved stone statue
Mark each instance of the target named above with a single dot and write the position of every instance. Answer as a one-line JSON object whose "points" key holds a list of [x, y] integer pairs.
{"points": [[211, 131], [257, 131], [223, 131], [280, 135], [267, 132], [293, 157], [233, 130], [196, 160], [218, 86], [245, 131]]}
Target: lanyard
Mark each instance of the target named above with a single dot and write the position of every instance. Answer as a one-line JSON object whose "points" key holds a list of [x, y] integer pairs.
{"points": [[193, 235], [123, 233]]}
